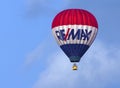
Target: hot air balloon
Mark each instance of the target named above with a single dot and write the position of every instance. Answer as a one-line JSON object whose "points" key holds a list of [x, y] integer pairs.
{"points": [[74, 31]]}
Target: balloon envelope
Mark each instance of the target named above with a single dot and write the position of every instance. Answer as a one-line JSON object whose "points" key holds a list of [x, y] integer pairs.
{"points": [[74, 31]]}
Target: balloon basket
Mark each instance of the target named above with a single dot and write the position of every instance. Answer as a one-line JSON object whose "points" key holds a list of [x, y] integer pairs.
{"points": [[74, 67]]}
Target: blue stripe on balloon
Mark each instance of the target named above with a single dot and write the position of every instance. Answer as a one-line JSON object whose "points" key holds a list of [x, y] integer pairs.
{"points": [[74, 51]]}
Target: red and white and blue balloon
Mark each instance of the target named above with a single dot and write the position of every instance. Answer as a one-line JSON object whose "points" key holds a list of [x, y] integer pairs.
{"points": [[74, 31]]}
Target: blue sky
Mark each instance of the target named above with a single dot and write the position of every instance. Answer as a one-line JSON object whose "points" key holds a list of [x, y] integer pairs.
{"points": [[30, 57]]}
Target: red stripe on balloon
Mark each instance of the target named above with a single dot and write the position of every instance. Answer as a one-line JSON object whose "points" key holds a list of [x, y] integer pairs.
{"points": [[74, 17]]}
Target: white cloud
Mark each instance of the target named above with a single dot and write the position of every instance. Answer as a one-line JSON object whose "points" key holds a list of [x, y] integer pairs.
{"points": [[56, 73], [35, 54], [97, 69], [45, 7]]}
